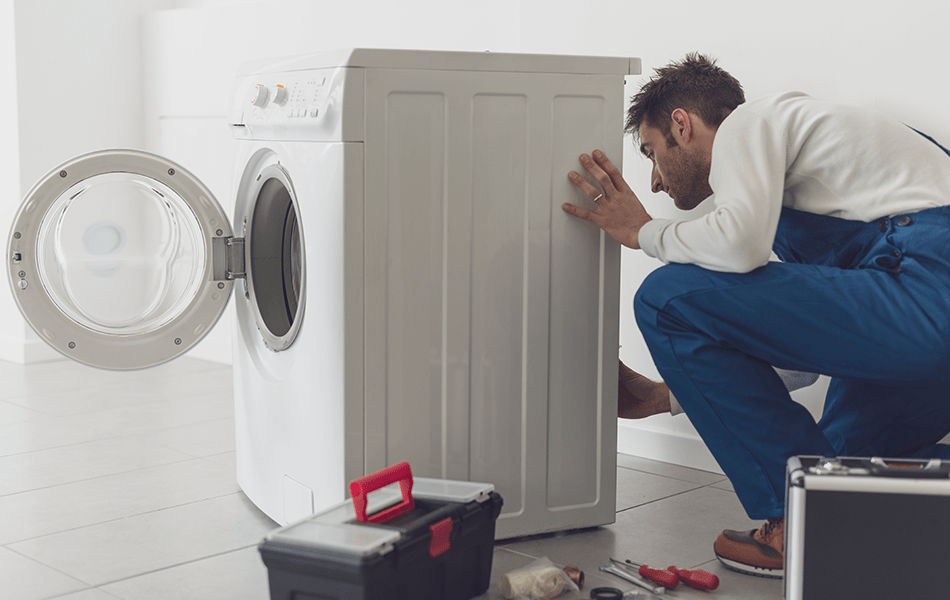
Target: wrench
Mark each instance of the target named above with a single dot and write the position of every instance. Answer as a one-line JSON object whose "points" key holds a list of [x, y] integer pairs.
{"points": [[633, 579]]}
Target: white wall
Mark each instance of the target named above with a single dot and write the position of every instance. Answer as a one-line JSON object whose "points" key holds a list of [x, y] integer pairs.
{"points": [[12, 328], [885, 55]]}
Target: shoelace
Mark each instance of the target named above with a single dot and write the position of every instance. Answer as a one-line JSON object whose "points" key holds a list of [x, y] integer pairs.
{"points": [[769, 528]]}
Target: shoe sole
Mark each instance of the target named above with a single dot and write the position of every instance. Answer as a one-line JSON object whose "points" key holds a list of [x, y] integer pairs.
{"points": [[745, 569]]}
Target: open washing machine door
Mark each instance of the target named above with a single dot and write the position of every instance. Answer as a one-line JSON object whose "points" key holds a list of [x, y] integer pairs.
{"points": [[121, 259]]}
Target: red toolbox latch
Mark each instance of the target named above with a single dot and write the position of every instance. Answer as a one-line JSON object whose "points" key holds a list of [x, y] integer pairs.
{"points": [[440, 537]]}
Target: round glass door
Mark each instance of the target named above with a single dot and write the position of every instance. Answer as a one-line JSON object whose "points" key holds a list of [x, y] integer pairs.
{"points": [[112, 259]]}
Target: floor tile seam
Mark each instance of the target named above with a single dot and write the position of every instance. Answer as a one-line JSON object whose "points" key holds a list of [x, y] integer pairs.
{"points": [[713, 486], [711, 562], [33, 394], [46, 416], [112, 435], [99, 586], [670, 476], [26, 408], [149, 403], [125, 430], [121, 377], [518, 552], [9, 544], [97, 385], [67, 594], [654, 501], [28, 396], [207, 365], [187, 458], [209, 457], [154, 431], [52, 568]]}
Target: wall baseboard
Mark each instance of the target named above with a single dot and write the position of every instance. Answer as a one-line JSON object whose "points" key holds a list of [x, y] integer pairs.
{"points": [[27, 352], [665, 446]]}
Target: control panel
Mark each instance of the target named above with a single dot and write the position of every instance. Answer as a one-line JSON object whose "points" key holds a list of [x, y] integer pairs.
{"points": [[301, 105], [293, 99]]}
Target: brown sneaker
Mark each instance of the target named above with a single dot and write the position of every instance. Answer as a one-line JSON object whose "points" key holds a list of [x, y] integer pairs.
{"points": [[759, 552]]}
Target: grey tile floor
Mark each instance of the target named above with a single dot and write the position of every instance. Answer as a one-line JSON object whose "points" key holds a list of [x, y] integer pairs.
{"points": [[121, 485]]}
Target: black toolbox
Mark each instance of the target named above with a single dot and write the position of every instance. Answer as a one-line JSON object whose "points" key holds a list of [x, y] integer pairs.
{"points": [[434, 544], [867, 528]]}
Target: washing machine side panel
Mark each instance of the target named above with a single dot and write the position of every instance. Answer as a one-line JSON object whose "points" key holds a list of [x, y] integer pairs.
{"points": [[405, 279], [492, 316]]}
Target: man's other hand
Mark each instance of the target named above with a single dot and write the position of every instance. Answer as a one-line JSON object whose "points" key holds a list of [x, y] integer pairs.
{"points": [[639, 397]]}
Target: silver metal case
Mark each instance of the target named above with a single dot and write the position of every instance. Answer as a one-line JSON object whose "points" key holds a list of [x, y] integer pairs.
{"points": [[866, 528]]}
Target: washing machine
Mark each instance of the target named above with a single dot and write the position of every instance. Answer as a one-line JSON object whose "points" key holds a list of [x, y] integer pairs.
{"points": [[406, 285]]}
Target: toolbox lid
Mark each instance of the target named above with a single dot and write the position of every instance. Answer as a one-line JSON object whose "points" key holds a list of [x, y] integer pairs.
{"points": [[346, 538], [449, 491], [335, 530]]}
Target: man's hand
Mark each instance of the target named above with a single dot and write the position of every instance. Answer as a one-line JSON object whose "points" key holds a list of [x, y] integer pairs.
{"points": [[640, 397], [619, 211]]}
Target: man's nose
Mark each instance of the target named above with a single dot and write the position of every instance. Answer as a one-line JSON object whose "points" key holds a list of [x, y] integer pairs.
{"points": [[656, 181]]}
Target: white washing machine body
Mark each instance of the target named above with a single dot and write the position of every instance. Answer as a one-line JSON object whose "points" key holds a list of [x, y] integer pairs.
{"points": [[291, 412], [406, 285]]}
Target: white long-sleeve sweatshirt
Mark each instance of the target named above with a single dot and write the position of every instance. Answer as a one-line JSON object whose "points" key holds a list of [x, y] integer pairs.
{"points": [[791, 150], [795, 151]]}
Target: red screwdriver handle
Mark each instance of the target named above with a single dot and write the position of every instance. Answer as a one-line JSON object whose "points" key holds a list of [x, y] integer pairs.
{"points": [[697, 578], [664, 577]]}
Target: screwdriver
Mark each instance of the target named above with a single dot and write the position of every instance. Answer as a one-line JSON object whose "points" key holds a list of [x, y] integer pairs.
{"points": [[696, 578], [664, 577]]}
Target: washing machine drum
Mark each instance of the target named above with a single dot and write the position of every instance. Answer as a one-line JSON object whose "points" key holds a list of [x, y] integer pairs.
{"points": [[120, 259]]}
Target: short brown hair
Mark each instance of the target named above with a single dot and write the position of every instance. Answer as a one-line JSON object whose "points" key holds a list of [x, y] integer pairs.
{"points": [[694, 84]]}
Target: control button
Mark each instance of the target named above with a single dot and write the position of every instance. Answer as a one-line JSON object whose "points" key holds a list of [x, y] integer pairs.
{"points": [[883, 226], [904, 221], [259, 96], [314, 112], [280, 95]]}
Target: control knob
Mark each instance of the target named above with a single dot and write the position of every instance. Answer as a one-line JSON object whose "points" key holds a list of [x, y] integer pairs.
{"points": [[259, 95], [280, 95]]}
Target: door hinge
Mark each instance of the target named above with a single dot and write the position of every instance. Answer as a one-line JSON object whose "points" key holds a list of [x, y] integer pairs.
{"points": [[228, 258]]}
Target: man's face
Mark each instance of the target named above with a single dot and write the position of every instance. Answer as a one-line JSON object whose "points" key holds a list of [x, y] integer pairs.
{"points": [[680, 171]]}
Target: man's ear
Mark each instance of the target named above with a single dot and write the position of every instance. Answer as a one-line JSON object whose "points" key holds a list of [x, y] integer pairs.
{"points": [[681, 127]]}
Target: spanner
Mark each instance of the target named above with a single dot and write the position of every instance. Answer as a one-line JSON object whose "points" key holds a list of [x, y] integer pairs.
{"points": [[632, 579]]}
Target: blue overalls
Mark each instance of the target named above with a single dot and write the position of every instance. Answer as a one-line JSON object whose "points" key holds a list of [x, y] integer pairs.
{"points": [[867, 304]]}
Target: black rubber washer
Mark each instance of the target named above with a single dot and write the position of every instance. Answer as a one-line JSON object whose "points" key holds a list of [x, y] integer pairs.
{"points": [[606, 593]]}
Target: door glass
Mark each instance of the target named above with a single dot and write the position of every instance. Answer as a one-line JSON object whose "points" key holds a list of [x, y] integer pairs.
{"points": [[276, 262], [120, 253]]}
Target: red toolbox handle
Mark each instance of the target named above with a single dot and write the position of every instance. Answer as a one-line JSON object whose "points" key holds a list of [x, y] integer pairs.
{"points": [[361, 487]]}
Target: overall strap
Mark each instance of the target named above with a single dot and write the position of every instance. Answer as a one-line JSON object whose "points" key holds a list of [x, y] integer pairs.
{"points": [[932, 140]]}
